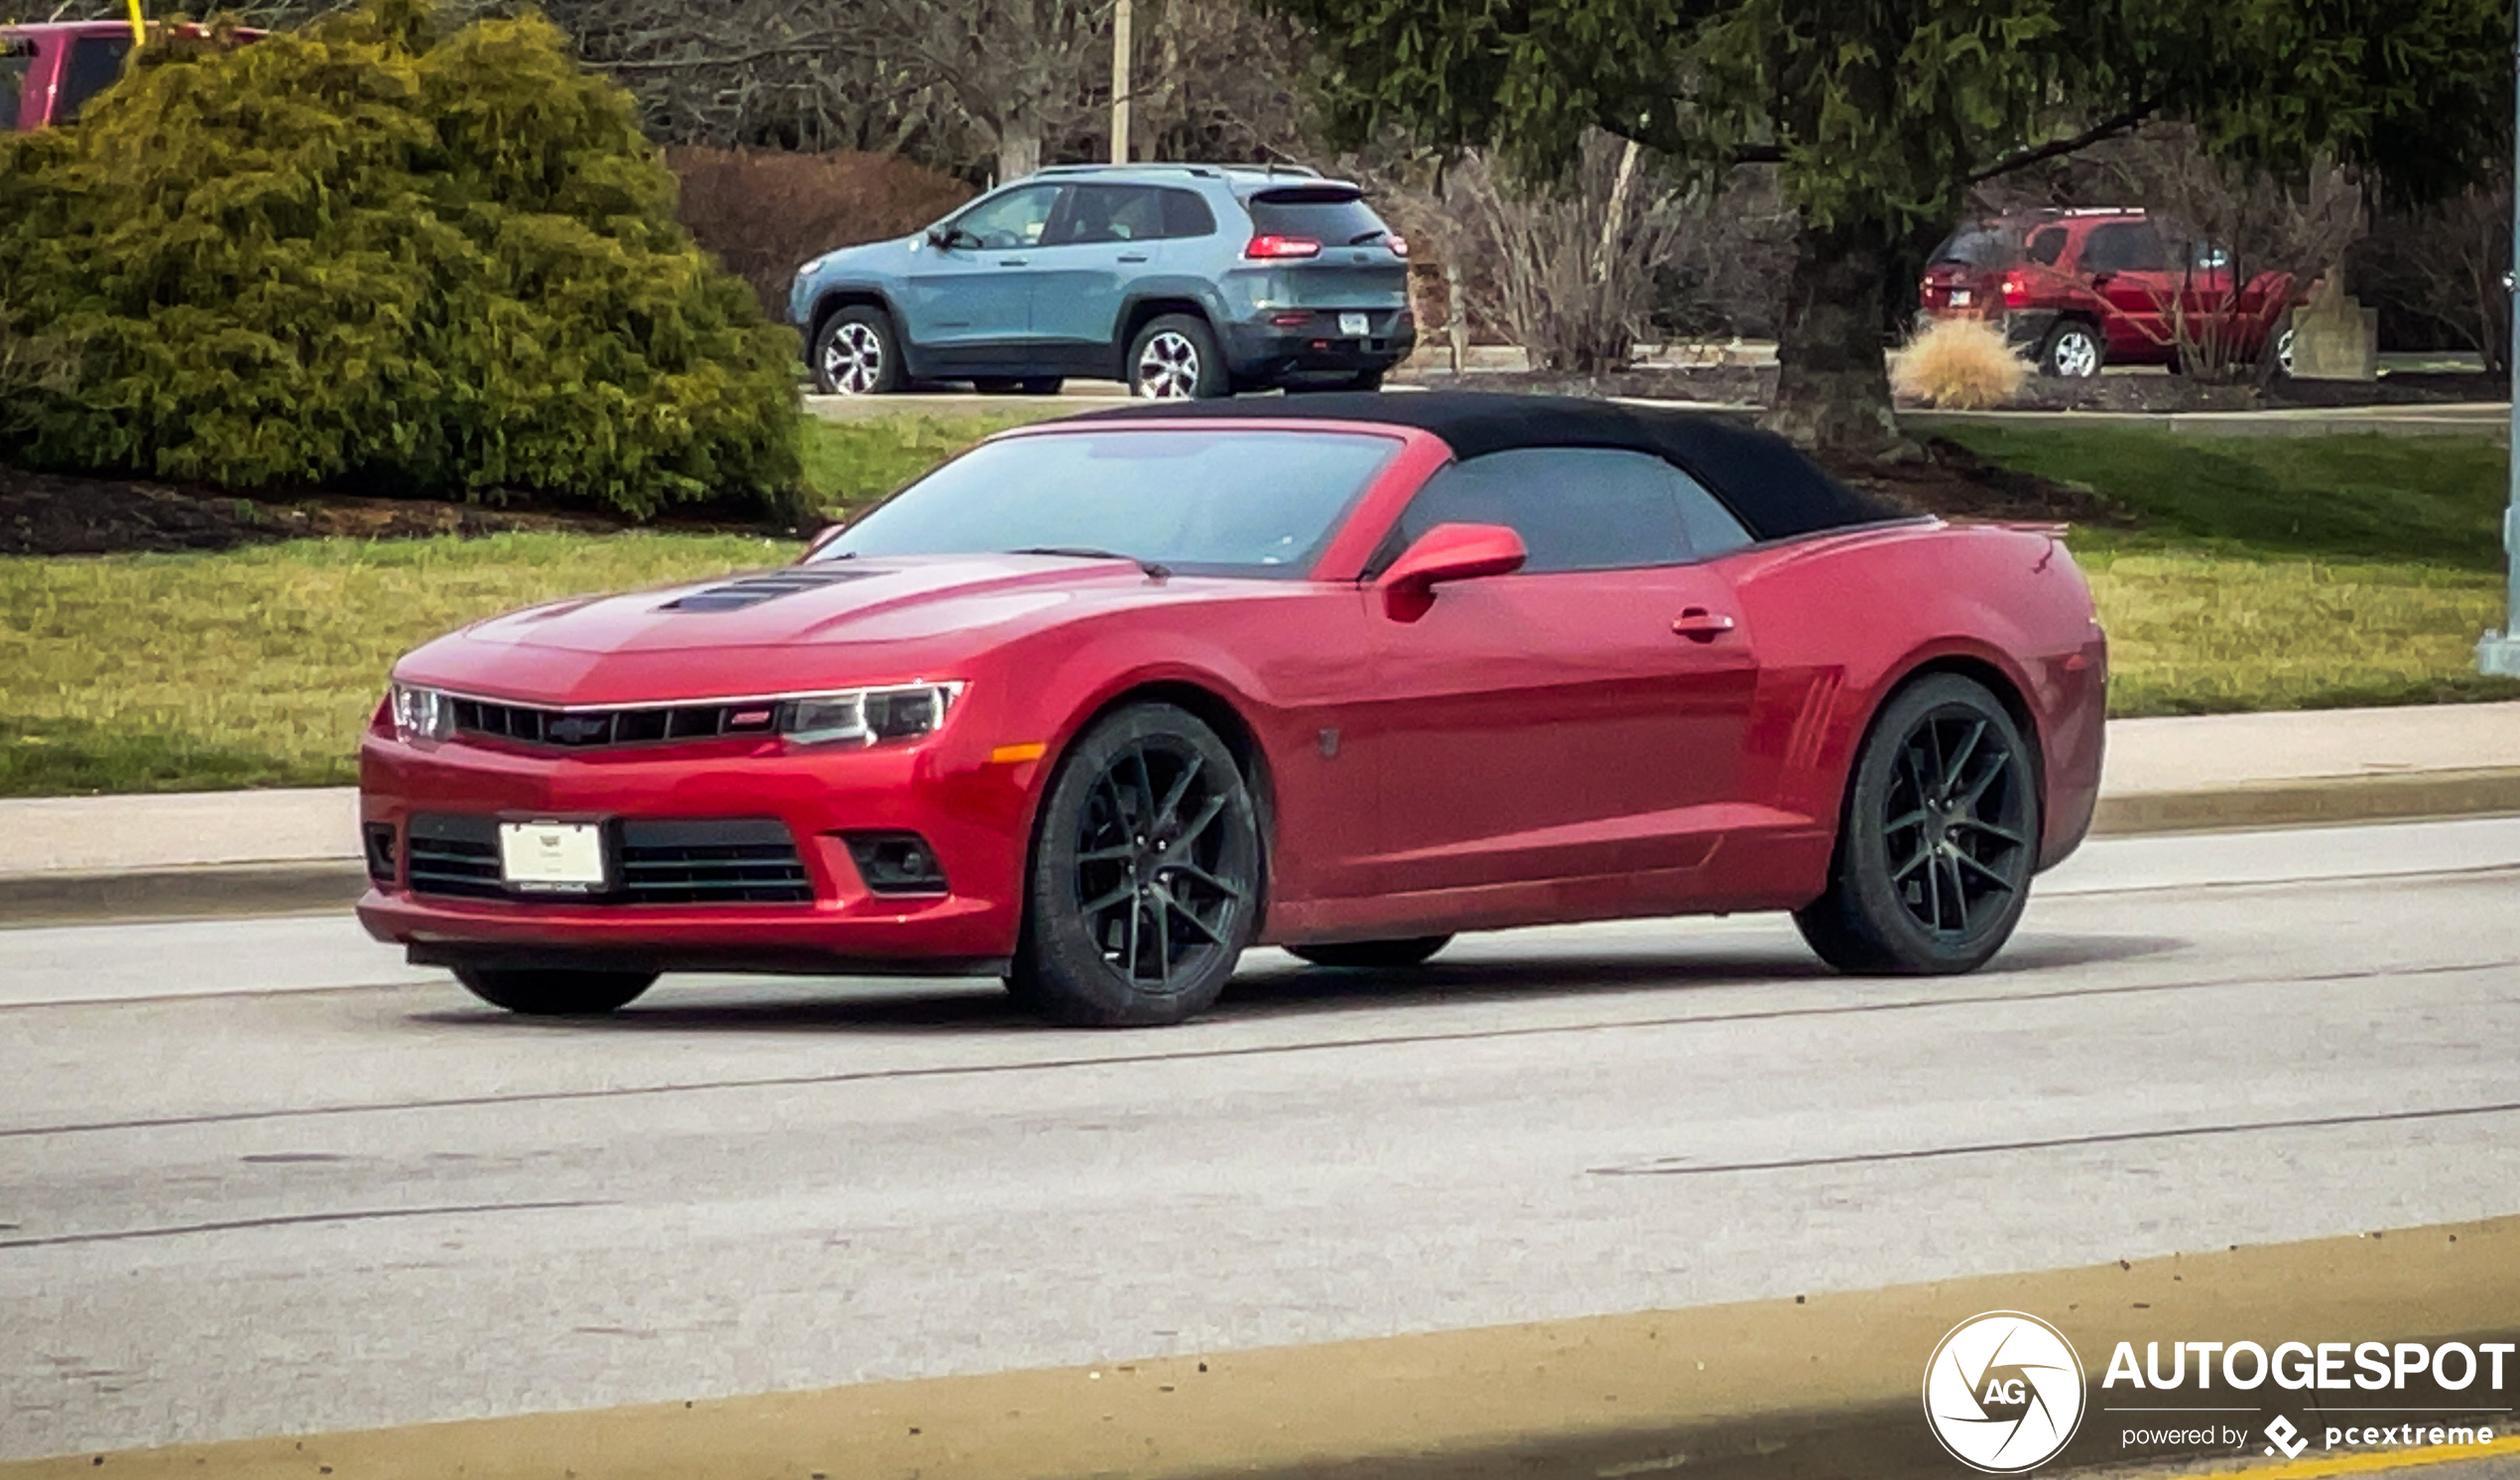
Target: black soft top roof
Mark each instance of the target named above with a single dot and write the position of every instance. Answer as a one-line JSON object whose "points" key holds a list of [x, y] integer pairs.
{"points": [[1774, 490]]}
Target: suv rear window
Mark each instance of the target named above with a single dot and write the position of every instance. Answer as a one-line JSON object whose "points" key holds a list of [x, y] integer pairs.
{"points": [[17, 58], [1976, 246], [96, 65], [1333, 216]]}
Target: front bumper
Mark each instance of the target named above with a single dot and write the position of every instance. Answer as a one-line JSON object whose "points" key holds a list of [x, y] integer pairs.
{"points": [[1268, 354], [973, 818]]}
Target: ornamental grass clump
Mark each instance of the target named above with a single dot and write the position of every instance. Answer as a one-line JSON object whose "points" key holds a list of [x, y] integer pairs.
{"points": [[383, 255], [1959, 364]]}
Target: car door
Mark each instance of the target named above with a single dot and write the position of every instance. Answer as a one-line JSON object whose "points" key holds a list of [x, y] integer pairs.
{"points": [[969, 286], [1584, 716], [1105, 237], [2125, 263]]}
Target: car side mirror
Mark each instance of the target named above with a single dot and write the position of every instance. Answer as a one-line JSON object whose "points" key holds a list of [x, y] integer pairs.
{"points": [[1447, 552]]}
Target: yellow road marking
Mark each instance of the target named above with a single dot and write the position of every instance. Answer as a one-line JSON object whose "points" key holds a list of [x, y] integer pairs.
{"points": [[1813, 1388], [2371, 1461]]}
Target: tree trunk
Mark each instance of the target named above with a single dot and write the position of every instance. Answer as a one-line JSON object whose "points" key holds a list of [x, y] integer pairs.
{"points": [[1019, 149], [1833, 387]]}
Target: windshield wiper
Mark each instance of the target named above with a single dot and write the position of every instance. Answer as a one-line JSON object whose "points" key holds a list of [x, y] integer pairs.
{"points": [[1153, 569], [1358, 241]]}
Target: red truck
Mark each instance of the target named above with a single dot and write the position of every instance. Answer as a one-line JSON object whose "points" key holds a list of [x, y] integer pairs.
{"points": [[50, 72], [2078, 289]]}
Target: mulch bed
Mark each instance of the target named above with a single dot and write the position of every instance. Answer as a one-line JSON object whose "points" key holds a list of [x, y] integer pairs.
{"points": [[1755, 385], [44, 513], [1948, 479]]}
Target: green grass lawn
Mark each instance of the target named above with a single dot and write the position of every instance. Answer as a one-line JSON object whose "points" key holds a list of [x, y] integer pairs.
{"points": [[2437, 500], [2303, 582], [848, 464], [258, 666]]}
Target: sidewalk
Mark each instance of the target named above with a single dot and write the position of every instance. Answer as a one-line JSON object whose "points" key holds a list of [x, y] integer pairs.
{"points": [[86, 857]]}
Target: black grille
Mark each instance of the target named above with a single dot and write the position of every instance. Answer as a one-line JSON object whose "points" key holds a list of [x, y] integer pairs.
{"points": [[729, 861], [743, 861], [752, 590], [453, 855], [586, 729]]}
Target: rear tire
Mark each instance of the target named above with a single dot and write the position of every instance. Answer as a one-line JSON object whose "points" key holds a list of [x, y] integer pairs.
{"points": [[556, 993], [1372, 955], [1147, 878], [1174, 358], [1938, 842]]}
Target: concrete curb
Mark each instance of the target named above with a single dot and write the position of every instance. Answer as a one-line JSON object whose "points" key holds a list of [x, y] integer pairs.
{"points": [[199, 892], [314, 885], [2325, 801], [1820, 1386]]}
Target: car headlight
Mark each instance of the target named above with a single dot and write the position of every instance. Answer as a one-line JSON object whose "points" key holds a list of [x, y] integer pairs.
{"points": [[422, 714], [868, 716]]}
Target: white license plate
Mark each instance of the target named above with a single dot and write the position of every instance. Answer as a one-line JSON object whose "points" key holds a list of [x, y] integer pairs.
{"points": [[1960, 297], [565, 857], [1353, 325]]}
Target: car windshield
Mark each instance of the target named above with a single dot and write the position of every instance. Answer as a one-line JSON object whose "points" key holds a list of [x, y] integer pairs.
{"points": [[1221, 503]]}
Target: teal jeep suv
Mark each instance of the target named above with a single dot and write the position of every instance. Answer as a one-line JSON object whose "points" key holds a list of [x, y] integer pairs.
{"points": [[1177, 280]]}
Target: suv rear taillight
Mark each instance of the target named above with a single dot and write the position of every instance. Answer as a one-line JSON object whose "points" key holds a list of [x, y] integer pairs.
{"points": [[2016, 292], [1272, 248], [1399, 244]]}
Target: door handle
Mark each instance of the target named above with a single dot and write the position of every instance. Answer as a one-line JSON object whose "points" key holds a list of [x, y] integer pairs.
{"points": [[1010, 262], [1699, 624], [1133, 257]]}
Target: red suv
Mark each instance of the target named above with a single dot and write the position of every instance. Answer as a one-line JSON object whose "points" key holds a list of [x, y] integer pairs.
{"points": [[50, 72], [47, 73], [2077, 289]]}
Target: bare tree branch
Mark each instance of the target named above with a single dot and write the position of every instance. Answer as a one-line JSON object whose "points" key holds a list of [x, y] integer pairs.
{"points": [[2107, 128]]}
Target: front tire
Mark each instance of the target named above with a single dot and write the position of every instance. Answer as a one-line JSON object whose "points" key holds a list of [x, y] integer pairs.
{"points": [[1939, 838], [856, 353], [2071, 351], [556, 993], [1372, 955], [1147, 878], [1174, 358]]}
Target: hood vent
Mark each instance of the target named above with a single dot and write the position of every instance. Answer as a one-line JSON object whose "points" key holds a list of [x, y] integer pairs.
{"points": [[752, 590]]}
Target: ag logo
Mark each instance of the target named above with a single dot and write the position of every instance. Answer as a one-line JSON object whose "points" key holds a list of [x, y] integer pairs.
{"points": [[2004, 1392]]}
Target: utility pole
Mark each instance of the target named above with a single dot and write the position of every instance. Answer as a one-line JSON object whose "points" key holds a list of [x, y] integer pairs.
{"points": [[1120, 80], [2499, 652]]}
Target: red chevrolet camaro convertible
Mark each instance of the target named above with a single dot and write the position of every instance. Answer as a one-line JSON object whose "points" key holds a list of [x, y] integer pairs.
{"points": [[1102, 703]]}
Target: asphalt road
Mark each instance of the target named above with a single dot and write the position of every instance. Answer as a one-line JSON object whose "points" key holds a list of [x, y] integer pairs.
{"points": [[255, 1175]]}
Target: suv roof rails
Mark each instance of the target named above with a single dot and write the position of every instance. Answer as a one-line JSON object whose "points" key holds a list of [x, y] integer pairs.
{"points": [[1208, 170]]}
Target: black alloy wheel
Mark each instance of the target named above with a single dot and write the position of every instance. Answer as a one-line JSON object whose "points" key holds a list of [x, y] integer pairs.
{"points": [[1147, 879], [554, 994], [1372, 955], [1939, 839]]}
